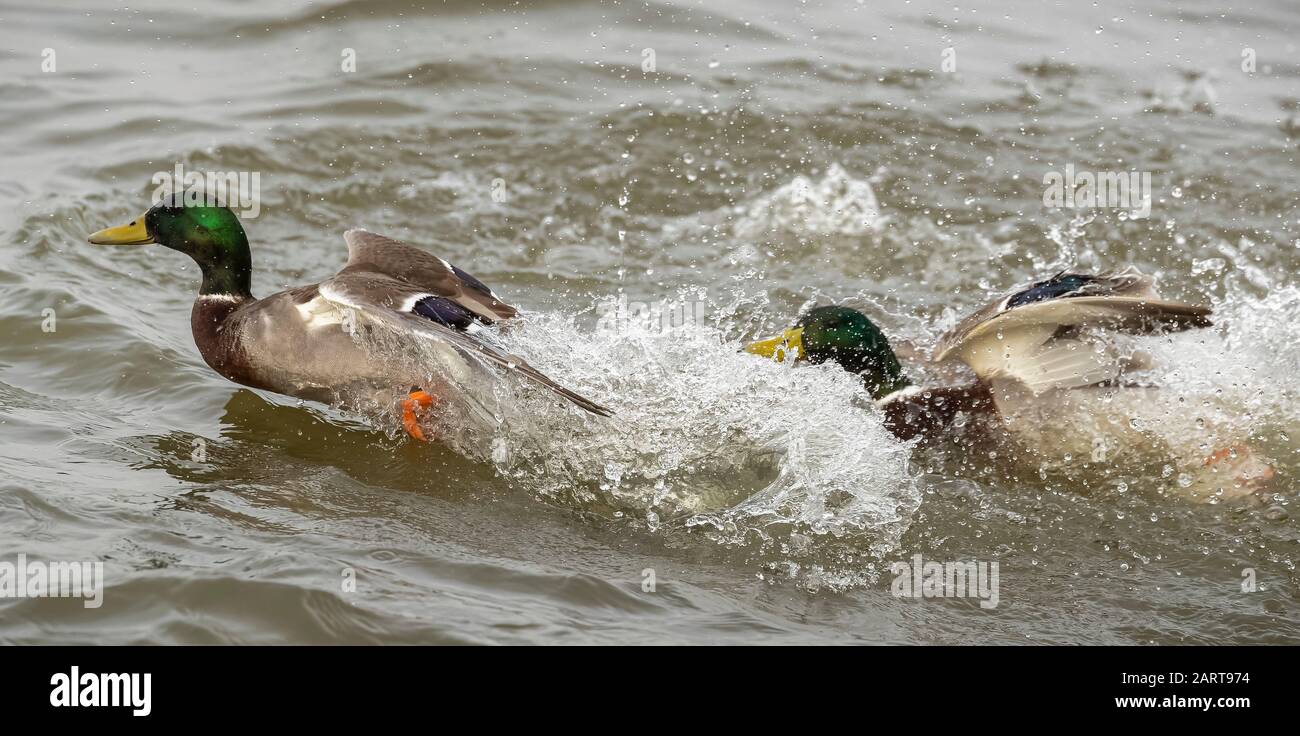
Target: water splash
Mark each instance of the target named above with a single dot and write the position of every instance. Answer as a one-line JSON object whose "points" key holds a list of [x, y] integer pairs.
{"points": [[722, 440], [836, 204], [704, 437], [1246, 365]]}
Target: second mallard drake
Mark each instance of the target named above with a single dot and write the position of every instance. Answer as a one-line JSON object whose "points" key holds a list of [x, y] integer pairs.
{"points": [[299, 343], [1045, 363], [1030, 340]]}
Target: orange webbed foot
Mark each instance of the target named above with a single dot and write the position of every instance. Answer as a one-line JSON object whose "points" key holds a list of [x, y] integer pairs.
{"points": [[412, 406], [1248, 471]]}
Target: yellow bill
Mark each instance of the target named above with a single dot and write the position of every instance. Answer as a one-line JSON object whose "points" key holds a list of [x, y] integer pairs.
{"points": [[132, 233], [788, 345]]}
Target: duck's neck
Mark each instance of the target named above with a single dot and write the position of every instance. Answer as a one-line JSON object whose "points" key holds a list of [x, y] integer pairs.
{"points": [[222, 255], [227, 275], [230, 275]]}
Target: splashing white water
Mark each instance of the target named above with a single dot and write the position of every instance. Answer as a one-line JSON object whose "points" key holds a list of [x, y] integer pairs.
{"points": [[1247, 365], [836, 204], [703, 436], [722, 439]]}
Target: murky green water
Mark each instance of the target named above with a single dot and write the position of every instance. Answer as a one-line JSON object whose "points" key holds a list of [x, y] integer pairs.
{"points": [[778, 154]]}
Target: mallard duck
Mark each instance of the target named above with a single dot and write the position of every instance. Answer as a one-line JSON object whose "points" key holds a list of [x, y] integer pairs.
{"points": [[1043, 355], [300, 342]]}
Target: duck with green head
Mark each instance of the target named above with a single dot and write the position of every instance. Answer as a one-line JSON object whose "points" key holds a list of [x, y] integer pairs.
{"points": [[843, 336], [300, 342], [1046, 336], [849, 339], [1046, 365]]}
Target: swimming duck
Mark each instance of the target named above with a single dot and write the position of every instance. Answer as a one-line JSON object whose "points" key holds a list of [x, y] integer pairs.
{"points": [[1045, 363], [301, 342]]}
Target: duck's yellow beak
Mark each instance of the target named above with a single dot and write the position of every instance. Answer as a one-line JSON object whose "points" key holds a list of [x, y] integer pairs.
{"points": [[788, 345], [132, 233]]}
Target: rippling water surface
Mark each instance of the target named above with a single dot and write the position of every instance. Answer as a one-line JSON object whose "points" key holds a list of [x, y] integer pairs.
{"points": [[778, 155]]}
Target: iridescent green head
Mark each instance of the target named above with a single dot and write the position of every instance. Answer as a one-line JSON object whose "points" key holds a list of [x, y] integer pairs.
{"points": [[210, 234], [843, 336]]}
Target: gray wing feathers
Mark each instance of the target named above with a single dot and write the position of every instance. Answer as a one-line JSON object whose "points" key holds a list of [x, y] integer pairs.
{"points": [[1124, 300], [1029, 335], [482, 351], [384, 277], [416, 272]]}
